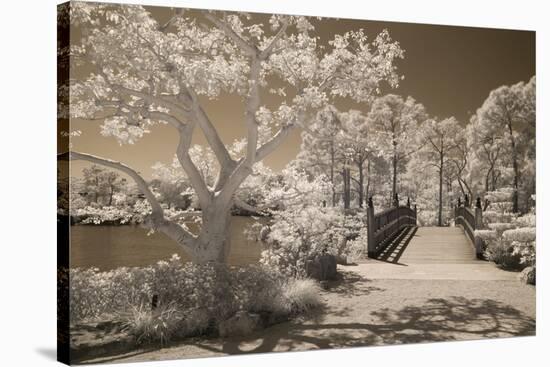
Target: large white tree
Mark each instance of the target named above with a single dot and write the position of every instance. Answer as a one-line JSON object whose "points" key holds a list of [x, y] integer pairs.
{"points": [[146, 73], [511, 110]]}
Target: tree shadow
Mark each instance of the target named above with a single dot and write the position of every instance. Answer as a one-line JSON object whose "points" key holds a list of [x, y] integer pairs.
{"points": [[456, 318], [351, 284], [395, 249], [435, 319]]}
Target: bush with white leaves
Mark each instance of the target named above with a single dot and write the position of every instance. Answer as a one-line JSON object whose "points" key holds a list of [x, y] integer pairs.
{"points": [[191, 297]]}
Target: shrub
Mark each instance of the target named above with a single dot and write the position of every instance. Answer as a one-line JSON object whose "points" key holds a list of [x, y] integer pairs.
{"points": [[191, 297], [486, 235], [502, 253], [357, 248], [511, 244], [501, 227], [301, 295], [298, 234], [258, 289], [110, 214], [527, 220], [520, 235], [523, 242], [147, 325], [510, 248]]}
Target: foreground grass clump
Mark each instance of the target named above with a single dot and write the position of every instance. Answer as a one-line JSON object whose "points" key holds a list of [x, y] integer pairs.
{"points": [[301, 295], [148, 325], [191, 299]]}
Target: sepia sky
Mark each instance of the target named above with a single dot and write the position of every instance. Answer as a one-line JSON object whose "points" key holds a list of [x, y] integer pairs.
{"points": [[450, 70]]}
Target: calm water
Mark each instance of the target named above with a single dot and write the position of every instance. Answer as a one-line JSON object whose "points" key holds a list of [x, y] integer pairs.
{"points": [[108, 247]]}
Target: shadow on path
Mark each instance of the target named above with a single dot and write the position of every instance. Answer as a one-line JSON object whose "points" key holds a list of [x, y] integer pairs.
{"points": [[351, 284], [393, 252], [457, 318]]}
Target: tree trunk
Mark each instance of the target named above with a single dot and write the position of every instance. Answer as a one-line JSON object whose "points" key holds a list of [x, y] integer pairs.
{"points": [[461, 186], [515, 198], [494, 178], [440, 211], [332, 174], [214, 241], [368, 191], [360, 184], [346, 181], [111, 196], [394, 184], [96, 194]]}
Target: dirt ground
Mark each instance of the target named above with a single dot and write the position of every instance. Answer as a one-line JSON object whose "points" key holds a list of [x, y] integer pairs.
{"points": [[361, 311]]}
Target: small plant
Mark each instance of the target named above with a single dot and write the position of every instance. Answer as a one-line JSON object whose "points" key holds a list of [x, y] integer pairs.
{"points": [[149, 326], [502, 253], [302, 295]]}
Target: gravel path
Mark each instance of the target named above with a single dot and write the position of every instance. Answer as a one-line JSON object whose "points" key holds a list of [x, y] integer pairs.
{"points": [[361, 311]]}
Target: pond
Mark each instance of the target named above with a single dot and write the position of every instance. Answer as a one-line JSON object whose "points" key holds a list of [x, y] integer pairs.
{"points": [[108, 247]]}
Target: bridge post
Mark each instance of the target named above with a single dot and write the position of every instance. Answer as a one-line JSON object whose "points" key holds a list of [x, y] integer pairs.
{"points": [[415, 215], [478, 225], [371, 239]]}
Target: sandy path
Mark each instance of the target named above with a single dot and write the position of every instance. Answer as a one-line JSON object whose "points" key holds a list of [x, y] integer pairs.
{"points": [[362, 311]]}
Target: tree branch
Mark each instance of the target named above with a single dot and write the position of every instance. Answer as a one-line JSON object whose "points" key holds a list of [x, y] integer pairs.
{"points": [[213, 138], [142, 185], [191, 170], [158, 221], [267, 51], [244, 205], [270, 146], [239, 41], [244, 167]]}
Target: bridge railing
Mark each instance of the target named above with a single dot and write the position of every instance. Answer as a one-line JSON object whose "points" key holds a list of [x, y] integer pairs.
{"points": [[383, 227], [470, 220]]}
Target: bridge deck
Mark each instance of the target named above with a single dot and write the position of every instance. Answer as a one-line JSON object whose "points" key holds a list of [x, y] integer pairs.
{"points": [[432, 253], [437, 245]]}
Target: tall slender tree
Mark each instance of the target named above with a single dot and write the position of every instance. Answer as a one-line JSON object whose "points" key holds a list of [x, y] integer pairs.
{"points": [[396, 120], [440, 137]]}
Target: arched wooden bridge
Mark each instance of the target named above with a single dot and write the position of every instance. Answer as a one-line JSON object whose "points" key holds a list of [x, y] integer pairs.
{"points": [[399, 249]]}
